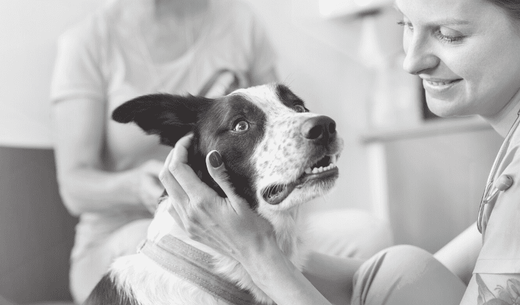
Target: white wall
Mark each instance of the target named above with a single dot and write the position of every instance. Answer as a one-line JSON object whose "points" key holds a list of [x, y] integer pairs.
{"points": [[28, 37]]}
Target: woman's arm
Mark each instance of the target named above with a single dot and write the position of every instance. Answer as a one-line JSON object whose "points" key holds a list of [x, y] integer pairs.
{"points": [[460, 254], [79, 123], [230, 225], [332, 276], [78, 136]]}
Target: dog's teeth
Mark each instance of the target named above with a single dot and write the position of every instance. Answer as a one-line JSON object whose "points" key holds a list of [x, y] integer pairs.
{"points": [[322, 169]]}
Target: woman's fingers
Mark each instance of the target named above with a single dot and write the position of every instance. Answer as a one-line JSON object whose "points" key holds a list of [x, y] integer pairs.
{"points": [[184, 174], [217, 170], [182, 184], [176, 195], [169, 182]]}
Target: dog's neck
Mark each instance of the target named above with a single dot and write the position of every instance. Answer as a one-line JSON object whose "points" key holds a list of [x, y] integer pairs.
{"points": [[286, 225]]}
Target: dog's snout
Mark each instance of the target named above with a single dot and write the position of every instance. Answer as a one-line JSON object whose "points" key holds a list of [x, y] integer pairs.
{"points": [[319, 129]]}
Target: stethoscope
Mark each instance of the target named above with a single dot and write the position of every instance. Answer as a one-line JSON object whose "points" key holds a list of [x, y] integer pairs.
{"points": [[502, 183]]}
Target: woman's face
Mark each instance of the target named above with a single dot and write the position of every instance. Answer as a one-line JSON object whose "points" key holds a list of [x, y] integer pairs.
{"points": [[466, 51]]}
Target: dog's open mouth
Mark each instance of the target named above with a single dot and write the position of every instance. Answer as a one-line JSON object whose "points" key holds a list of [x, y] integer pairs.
{"points": [[324, 169]]}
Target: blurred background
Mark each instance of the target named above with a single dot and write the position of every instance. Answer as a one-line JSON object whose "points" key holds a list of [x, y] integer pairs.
{"points": [[422, 174]]}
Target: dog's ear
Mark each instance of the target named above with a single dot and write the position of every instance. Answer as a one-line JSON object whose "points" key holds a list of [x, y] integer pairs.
{"points": [[166, 115]]}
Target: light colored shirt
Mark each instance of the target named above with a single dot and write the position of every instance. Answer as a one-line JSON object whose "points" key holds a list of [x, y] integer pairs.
{"points": [[105, 59], [496, 272]]}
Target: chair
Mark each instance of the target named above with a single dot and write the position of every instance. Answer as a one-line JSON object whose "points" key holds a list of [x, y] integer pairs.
{"points": [[36, 231]]}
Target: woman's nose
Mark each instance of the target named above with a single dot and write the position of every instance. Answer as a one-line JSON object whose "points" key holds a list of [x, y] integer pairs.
{"points": [[419, 57]]}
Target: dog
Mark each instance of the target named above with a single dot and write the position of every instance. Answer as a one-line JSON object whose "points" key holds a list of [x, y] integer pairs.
{"points": [[278, 155]]}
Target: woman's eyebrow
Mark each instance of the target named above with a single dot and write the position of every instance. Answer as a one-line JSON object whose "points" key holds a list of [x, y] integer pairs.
{"points": [[443, 21], [450, 21]]}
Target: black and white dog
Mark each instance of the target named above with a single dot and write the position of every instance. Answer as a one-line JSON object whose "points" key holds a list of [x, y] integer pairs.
{"points": [[278, 155]]}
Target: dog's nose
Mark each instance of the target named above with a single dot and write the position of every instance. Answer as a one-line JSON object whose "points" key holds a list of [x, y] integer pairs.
{"points": [[319, 129]]}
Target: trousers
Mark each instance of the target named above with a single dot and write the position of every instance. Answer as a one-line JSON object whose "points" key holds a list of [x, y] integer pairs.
{"points": [[405, 275]]}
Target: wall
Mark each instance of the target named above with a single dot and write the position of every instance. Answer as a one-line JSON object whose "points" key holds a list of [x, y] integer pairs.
{"points": [[435, 182], [26, 60]]}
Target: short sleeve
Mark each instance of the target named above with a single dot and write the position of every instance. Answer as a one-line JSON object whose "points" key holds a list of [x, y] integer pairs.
{"points": [[78, 66]]}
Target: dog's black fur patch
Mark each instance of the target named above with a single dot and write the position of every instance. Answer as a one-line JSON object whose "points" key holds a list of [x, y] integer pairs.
{"points": [[106, 292], [288, 98], [212, 122]]}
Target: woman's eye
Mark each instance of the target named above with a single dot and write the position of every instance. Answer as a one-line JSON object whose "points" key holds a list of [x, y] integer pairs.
{"points": [[448, 35], [241, 126], [299, 108]]}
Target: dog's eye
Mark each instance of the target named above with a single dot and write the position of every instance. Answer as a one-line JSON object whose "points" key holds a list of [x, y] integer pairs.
{"points": [[241, 126], [299, 108]]}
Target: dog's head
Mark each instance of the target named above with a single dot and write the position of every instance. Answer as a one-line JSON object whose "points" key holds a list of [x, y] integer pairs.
{"points": [[276, 152]]}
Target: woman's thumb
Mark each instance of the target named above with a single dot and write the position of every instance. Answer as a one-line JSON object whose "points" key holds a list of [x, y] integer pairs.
{"points": [[217, 170]]}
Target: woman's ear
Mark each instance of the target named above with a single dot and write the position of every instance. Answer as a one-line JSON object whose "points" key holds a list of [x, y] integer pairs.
{"points": [[166, 115]]}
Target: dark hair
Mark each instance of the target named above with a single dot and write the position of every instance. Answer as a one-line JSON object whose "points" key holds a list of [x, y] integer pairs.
{"points": [[512, 7]]}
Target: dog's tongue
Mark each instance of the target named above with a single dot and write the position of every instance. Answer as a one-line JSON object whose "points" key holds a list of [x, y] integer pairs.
{"points": [[275, 194]]}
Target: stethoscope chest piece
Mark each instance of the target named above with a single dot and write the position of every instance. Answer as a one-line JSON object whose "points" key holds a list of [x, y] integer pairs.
{"points": [[503, 183]]}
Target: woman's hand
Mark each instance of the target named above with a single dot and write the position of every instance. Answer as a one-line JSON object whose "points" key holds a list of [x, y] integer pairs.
{"points": [[149, 187], [227, 224]]}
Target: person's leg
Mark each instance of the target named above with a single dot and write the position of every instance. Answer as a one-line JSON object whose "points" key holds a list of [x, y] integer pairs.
{"points": [[88, 270], [348, 233], [405, 275]]}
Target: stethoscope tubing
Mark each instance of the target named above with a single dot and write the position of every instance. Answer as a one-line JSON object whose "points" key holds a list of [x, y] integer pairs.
{"points": [[504, 181]]}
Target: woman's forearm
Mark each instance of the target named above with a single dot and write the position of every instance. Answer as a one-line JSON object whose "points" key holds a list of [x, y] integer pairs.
{"points": [[460, 254], [91, 190], [332, 276], [79, 140], [280, 279]]}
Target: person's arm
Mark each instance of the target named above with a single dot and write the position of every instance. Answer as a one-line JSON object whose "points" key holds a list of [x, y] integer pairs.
{"points": [[460, 254], [84, 185], [230, 225], [79, 122], [332, 276]]}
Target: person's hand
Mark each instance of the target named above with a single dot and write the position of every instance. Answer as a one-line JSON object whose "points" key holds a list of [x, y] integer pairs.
{"points": [[149, 188], [226, 224]]}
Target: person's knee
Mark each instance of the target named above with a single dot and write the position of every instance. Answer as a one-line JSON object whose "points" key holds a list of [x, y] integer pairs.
{"points": [[405, 274], [408, 253], [395, 263]]}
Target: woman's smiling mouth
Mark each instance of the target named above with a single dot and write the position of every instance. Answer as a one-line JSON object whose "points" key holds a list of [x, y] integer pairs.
{"points": [[437, 86]]}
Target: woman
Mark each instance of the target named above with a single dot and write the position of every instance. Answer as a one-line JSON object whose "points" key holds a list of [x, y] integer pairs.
{"points": [[468, 54], [108, 172]]}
